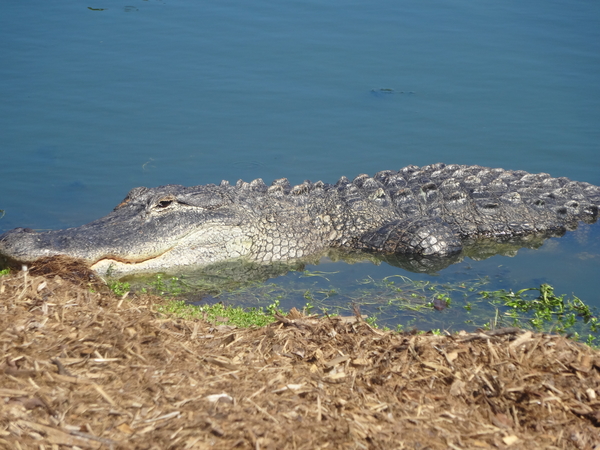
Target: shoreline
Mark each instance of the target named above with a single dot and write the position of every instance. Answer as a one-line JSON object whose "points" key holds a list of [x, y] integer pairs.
{"points": [[93, 370]]}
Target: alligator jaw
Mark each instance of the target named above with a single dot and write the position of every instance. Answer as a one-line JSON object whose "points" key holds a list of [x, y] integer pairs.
{"points": [[113, 265], [23, 246], [206, 243]]}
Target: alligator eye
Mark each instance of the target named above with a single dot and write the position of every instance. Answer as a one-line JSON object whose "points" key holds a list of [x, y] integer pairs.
{"points": [[165, 202]]}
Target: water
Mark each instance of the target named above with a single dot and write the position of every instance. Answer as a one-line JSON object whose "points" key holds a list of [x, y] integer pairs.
{"points": [[95, 102]]}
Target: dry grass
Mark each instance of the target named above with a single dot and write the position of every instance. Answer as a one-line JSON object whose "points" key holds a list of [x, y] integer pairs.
{"points": [[88, 370]]}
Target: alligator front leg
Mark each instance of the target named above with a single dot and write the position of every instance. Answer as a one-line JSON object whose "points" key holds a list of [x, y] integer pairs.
{"points": [[427, 237]]}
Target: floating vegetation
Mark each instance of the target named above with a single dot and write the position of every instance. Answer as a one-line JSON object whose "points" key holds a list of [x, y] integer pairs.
{"points": [[393, 302], [545, 312]]}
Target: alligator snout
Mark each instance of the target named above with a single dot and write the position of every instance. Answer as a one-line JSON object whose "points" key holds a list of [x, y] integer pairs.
{"points": [[24, 245], [12, 238], [16, 231]]}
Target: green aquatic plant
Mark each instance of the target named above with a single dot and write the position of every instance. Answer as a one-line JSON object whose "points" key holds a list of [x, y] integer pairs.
{"points": [[308, 307], [317, 273], [222, 314], [119, 288], [372, 321], [545, 312], [170, 287]]}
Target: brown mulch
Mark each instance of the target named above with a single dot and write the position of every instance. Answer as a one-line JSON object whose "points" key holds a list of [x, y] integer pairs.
{"points": [[89, 370]]}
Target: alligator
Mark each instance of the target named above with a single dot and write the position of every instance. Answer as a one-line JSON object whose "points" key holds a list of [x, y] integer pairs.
{"points": [[418, 212]]}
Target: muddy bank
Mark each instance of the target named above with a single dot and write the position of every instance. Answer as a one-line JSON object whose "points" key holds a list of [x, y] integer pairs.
{"points": [[90, 370]]}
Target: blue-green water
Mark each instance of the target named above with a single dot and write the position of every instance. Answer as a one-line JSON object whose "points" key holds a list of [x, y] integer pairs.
{"points": [[100, 97]]}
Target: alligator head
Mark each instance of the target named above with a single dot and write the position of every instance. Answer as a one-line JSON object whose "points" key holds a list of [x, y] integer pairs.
{"points": [[134, 236]]}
